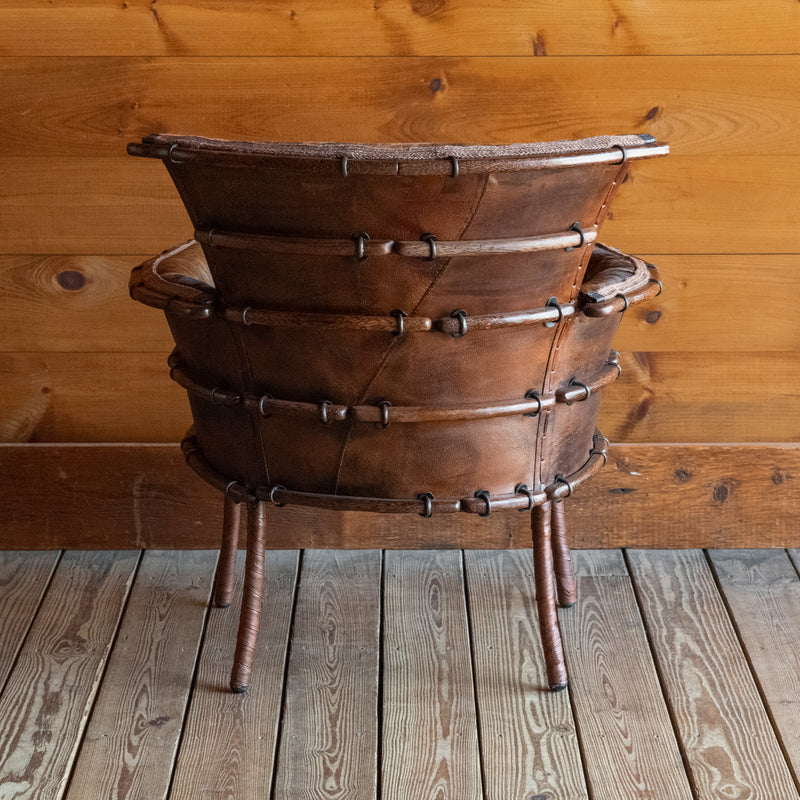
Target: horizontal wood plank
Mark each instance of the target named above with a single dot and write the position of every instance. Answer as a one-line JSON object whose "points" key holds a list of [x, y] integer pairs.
{"points": [[137, 721], [725, 733], [80, 303], [762, 590], [458, 27], [46, 702], [109, 496], [731, 105], [125, 205], [229, 742], [660, 397], [628, 745], [529, 745]]}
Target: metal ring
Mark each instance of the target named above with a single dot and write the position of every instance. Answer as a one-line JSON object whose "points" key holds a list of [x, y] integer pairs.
{"points": [[576, 226], [625, 300], [210, 239], [523, 488], [553, 303], [244, 315], [171, 157], [561, 479], [483, 494], [533, 393], [431, 240], [227, 490], [454, 166], [261, 405], [623, 151], [660, 286], [344, 166], [400, 317], [277, 487], [359, 239], [595, 452], [214, 397], [384, 407], [461, 316], [573, 381], [323, 411], [427, 504]]}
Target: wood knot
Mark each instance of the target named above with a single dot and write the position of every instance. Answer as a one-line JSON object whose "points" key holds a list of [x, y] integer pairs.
{"points": [[652, 317], [71, 279], [435, 85], [721, 492], [682, 475]]}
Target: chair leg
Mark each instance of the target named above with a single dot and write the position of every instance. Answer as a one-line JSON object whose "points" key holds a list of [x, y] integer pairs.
{"points": [[226, 566], [251, 598], [565, 578], [545, 597]]}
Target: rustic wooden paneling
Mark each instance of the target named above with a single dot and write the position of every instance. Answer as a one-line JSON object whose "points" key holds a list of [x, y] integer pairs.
{"points": [[61, 107], [724, 730], [664, 397], [339, 27], [81, 304], [673, 205], [144, 496], [628, 745]]}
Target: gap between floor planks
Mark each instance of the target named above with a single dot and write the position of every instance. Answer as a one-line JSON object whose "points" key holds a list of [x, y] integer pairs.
{"points": [[418, 675]]}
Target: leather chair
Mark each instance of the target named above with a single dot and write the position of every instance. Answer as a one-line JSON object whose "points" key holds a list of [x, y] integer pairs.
{"points": [[420, 329]]}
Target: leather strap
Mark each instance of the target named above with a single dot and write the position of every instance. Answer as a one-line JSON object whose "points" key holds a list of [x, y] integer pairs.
{"points": [[482, 503]]}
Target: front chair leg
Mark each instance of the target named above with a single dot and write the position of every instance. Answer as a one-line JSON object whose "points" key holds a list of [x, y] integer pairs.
{"points": [[251, 598], [226, 566], [565, 577], [545, 597]]}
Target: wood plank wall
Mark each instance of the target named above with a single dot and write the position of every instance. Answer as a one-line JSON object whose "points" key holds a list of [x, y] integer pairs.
{"points": [[713, 360]]}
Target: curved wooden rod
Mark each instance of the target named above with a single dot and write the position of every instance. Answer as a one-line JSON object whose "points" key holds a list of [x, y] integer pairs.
{"points": [[384, 413], [423, 505], [362, 246]]}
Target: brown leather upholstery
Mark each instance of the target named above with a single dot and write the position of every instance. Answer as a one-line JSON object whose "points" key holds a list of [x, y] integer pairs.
{"points": [[317, 323]]}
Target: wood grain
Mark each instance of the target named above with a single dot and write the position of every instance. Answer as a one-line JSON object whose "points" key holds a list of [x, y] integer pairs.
{"points": [[529, 746], [730, 747], [126, 205], [731, 105], [329, 740], [430, 746], [762, 591], [76, 304], [108, 496], [459, 27], [229, 741], [627, 740], [131, 740], [81, 304], [24, 577], [49, 694]]}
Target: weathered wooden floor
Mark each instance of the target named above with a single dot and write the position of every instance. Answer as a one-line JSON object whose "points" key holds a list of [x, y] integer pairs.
{"points": [[401, 676]]}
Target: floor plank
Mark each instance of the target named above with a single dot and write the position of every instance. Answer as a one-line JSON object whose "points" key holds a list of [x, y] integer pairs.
{"points": [[50, 691], [762, 590], [430, 745], [132, 737], [329, 738], [730, 747], [529, 745], [228, 747], [629, 747], [23, 579]]}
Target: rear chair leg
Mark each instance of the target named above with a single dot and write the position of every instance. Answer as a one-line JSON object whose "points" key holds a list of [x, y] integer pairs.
{"points": [[545, 597], [226, 566], [565, 578], [251, 598]]}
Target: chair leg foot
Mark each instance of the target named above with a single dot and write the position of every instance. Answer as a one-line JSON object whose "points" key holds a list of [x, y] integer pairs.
{"points": [[545, 597], [251, 598], [226, 566], [562, 563]]}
